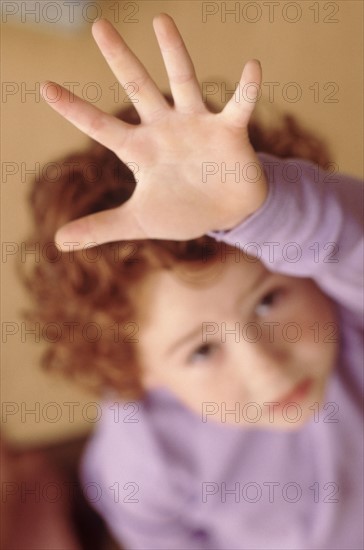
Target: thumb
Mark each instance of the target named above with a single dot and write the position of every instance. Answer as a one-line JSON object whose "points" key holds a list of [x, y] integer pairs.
{"points": [[116, 224]]}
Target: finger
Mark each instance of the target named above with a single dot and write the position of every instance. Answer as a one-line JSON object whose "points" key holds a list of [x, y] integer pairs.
{"points": [[239, 109], [111, 225], [181, 72], [86, 117], [129, 71]]}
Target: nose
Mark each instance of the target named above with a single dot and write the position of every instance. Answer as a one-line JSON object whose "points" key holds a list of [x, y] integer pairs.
{"points": [[260, 361]]}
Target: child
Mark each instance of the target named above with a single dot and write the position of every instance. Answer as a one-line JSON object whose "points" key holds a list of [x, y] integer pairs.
{"points": [[227, 310]]}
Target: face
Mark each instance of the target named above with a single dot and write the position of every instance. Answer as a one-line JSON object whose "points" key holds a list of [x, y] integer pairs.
{"points": [[247, 347]]}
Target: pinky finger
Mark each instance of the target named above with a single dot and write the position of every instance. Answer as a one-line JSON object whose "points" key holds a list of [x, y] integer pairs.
{"points": [[239, 109], [98, 125]]}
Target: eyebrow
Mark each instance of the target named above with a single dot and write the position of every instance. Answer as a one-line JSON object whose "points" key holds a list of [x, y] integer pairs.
{"points": [[197, 330]]}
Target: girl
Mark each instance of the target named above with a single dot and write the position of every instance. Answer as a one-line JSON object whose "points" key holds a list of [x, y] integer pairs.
{"points": [[225, 291]]}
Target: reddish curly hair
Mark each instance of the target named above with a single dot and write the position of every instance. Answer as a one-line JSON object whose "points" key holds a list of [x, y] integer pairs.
{"points": [[87, 301]]}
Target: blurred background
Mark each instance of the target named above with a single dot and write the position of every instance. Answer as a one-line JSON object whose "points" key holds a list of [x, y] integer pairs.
{"points": [[312, 59]]}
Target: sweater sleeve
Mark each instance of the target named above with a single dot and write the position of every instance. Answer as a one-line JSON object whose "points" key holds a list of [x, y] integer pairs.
{"points": [[310, 225]]}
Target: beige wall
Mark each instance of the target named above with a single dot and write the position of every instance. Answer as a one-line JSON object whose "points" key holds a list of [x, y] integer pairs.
{"points": [[308, 53]]}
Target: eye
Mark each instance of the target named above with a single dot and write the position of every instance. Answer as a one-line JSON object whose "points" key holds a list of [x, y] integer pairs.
{"points": [[268, 301], [202, 354]]}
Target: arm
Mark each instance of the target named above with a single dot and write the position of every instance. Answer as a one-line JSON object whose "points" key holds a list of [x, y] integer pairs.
{"points": [[181, 193], [309, 226]]}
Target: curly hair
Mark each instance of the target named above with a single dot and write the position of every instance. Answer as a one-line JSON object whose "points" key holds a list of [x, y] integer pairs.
{"points": [[85, 301]]}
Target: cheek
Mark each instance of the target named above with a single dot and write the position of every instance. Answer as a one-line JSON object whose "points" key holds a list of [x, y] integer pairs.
{"points": [[314, 312], [318, 323], [308, 328], [219, 386]]}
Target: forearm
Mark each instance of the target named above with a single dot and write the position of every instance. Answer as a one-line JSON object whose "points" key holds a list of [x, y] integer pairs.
{"points": [[306, 229]]}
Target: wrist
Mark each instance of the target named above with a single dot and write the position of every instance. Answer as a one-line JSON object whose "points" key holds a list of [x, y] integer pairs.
{"points": [[237, 216]]}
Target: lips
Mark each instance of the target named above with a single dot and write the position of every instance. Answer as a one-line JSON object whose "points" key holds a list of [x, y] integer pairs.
{"points": [[298, 393]]}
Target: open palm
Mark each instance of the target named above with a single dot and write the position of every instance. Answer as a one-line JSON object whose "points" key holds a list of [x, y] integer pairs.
{"points": [[181, 151]]}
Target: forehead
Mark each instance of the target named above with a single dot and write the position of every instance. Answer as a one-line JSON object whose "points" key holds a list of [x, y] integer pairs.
{"points": [[168, 295]]}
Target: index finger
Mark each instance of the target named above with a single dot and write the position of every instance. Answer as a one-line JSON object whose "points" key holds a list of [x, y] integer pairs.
{"points": [[86, 117]]}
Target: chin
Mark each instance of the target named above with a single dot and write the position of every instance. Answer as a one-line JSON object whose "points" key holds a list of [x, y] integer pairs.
{"points": [[286, 426]]}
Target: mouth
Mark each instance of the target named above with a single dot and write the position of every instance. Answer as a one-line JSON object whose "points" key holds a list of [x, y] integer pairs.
{"points": [[297, 394]]}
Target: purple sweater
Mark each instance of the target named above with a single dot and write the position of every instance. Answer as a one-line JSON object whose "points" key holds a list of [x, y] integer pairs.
{"points": [[164, 479]]}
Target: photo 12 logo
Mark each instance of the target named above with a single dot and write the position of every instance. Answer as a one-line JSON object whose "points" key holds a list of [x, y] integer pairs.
{"points": [[273, 91], [246, 12], [68, 13], [92, 92], [269, 491], [67, 491]]}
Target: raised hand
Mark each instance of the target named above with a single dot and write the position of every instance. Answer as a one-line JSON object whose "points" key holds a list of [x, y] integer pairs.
{"points": [[181, 151]]}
